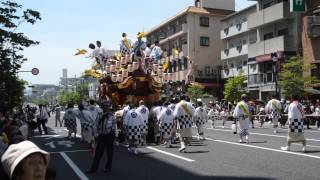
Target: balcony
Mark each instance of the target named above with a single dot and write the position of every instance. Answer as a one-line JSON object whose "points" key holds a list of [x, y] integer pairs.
{"points": [[268, 15], [234, 30], [234, 52], [171, 36], [281, 43], [313, 26]]}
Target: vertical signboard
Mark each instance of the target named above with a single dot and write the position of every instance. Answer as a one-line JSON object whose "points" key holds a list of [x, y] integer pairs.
{"points": [[297, 5]]}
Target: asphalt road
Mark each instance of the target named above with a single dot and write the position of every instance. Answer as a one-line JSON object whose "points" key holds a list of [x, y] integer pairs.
{"points": [[218, 157]]}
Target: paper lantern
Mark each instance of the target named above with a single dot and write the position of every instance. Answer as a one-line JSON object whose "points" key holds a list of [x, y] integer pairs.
{"points": [[114, 78], [113, 68], [165, 77], [155, 67], [108, 69], [170, 76], [123, 61], [128, 58], [119, 78], [117, 64], [130, 68], [135, 65], [124, 73]]}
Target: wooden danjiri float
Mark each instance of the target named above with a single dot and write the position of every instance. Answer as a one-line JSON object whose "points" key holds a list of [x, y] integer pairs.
{"points": [[128, 76]]}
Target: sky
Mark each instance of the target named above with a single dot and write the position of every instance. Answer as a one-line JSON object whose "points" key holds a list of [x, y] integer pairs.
{"points": [[70, 24]]}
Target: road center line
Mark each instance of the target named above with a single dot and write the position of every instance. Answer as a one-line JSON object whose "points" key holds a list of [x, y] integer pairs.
{"points": [[261, 134], [74, 151], [74, 166], [170, 154], [264, 148]]}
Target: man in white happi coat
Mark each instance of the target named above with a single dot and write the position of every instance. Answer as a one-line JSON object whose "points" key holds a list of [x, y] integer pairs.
{"points": [[273, 109], [295, 130], [184, 113], [144, 112], [200, 118], [242, 114], [87, 124], [166, 119], [132, 122], [213, 114]]}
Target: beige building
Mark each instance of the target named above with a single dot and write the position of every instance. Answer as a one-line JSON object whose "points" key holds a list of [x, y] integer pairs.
{"points": [[236, 36], [195, 32], [278, 38]]}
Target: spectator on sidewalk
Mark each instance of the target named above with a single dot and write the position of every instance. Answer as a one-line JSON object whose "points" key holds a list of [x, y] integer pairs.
{"points": [[58, 114], [25, 161], [42, 119]]}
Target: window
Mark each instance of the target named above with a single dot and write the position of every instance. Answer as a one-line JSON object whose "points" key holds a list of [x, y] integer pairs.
{"points": [[283, 32], [204, 21], [268, 36], [204, 41]]}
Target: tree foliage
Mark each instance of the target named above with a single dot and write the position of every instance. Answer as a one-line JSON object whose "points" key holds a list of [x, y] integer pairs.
{"points": [[292, 81], [12, 43], [195, 91], [66, 98], [83, 90], [234, 88]]}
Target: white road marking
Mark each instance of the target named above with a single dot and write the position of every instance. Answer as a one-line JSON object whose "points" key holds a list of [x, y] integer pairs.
{"points": [[170, 154], [264, 148], [74, 166], [261, 134], [73, 151]]}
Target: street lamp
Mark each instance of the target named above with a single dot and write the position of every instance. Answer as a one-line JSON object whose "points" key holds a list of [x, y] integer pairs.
{"points": [[274, 57]]}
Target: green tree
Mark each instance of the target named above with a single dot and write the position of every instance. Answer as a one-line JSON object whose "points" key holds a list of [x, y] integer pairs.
{"points": [[195, 91], [69, 98], [234, 88], [292, 81], [83, 90], [11, 44]]}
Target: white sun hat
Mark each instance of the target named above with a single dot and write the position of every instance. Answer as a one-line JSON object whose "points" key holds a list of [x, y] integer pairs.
{"points": [[17, 152]]}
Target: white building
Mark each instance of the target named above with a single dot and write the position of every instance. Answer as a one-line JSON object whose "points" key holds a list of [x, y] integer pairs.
{"points": [[195, 31]]}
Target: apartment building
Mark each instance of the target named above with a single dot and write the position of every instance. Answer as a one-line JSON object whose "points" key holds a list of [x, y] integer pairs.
{"points": [[278, 33], [195, 32], [236, 37], [311, 38]]}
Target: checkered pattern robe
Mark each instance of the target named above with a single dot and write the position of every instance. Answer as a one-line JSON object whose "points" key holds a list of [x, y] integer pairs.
{"points": [[295, 116], [184, 119], [133, 122], [166, 119], [200, 116], [272, 110], [70, 121], [144, 112], [213, 115]]}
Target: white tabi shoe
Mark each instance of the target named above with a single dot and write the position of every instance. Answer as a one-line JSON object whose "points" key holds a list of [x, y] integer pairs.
{"points": [[247, 139], [182, 149], [241, 141], [304, 149], [136, 152], [275, 131], [286, 148]]}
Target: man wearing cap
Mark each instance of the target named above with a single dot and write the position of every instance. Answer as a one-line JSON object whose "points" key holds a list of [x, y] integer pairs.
{"points": [[200, 118], [242, 114], [144, 112], [273, 109], [106, 129], [25, 161], [184, 112]]}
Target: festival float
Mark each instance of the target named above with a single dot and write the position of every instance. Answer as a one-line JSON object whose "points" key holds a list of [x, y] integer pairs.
{"points": [[128, 76]]}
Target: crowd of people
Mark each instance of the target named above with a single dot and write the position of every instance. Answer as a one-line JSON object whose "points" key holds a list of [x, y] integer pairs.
{"points": [[168, 122]]}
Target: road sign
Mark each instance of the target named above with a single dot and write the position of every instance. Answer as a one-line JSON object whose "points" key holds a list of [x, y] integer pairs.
{"points": [[35, 71], [297, 5]]}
